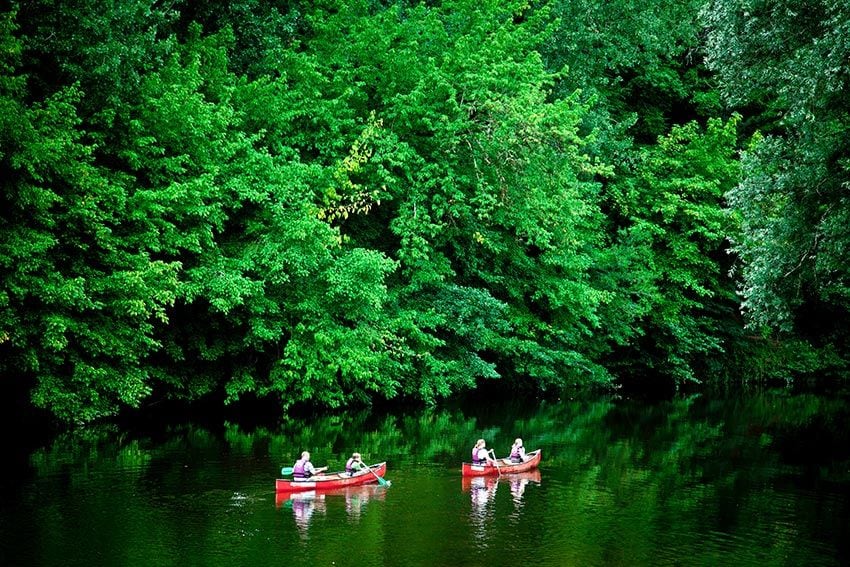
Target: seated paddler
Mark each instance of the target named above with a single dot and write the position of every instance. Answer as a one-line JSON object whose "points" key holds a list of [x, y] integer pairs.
{"points": [[480, 454], [303, 468], [354, 464]]}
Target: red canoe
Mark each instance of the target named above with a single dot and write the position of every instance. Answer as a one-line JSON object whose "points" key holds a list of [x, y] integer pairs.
{"points": [[331, 481], [503, 466]]}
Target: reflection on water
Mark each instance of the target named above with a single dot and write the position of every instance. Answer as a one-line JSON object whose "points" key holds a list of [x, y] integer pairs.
{"points": [[482, 494], [518, 483], [756, 479], [482, 489], [305, 504]]}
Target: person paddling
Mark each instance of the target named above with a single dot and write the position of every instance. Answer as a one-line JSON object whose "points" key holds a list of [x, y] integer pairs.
{"points": [[303, 468], [480, 455], [517, 451], [354, 464]]}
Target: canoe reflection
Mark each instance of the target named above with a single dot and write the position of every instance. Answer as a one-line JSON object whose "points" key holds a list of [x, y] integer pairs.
{"points": [[305, 504], [482, 489]]}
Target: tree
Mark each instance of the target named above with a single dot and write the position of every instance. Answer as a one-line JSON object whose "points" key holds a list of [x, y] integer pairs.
{"points": [[79, 302], [638, 61], [787, 69], [676, 234], [486, 193]]}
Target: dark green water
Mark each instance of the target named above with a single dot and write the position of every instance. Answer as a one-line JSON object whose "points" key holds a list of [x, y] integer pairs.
{"points": [[758, 479]]}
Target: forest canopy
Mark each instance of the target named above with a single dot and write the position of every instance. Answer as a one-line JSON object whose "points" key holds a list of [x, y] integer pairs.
{"points": [[336, 202]]}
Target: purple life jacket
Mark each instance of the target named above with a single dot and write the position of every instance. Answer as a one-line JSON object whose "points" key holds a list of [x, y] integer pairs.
{"points": [[475, 459], [348, 466], [298, 470], [515, 452]]}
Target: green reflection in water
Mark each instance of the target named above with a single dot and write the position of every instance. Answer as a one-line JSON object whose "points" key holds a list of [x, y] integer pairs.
{"points": [[756, 479]]}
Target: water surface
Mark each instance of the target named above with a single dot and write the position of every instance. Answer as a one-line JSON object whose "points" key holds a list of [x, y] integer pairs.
{"points": [[756, 479]]}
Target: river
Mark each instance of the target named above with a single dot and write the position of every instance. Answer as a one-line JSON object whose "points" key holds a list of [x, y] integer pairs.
{"points": [[756, 478]]}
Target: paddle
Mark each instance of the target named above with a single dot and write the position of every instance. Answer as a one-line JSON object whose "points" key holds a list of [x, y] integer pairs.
{"points": [[496, 462], [381, 481], [289, 470]]}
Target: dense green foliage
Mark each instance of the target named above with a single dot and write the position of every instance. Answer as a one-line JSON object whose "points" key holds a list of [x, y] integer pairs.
{"points": [[340, 201], [791, 68]]}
